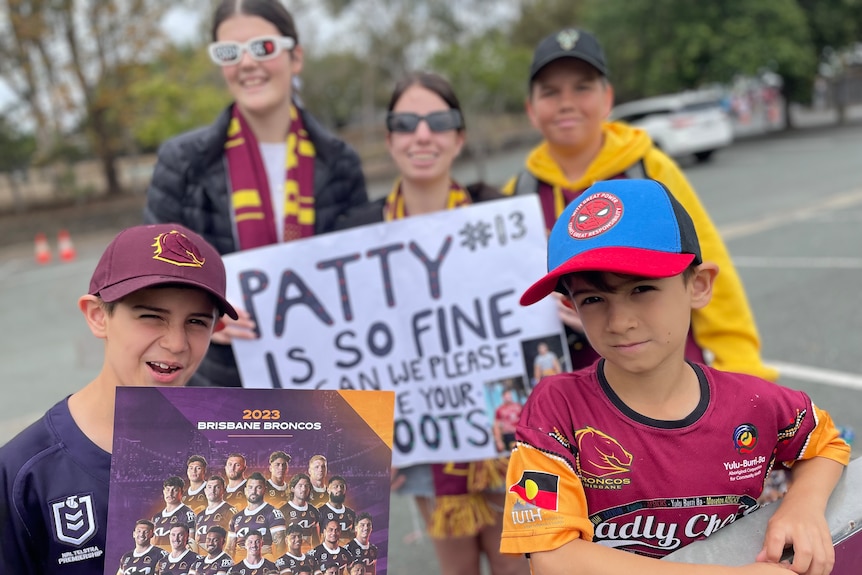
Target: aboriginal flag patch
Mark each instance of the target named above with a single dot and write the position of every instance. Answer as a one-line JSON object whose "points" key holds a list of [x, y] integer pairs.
{"points": [[538, 488]]}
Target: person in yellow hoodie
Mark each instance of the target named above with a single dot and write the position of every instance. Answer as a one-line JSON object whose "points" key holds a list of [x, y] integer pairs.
{"points": [[569, 102]]}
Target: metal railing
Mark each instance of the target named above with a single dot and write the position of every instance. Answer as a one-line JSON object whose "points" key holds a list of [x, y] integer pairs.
{"points": [[738, 543]]}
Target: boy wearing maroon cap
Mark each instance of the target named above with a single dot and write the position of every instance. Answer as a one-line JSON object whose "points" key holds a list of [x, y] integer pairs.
{"points": [[645, 451], [155, 298]]}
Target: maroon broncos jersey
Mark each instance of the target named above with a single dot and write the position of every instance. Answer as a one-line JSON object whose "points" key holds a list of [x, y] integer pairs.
{"points": [[588, 466], [182, 515], [367, 554], [221, 563], [318, 497], [275, 495], [265, 567], [236, 496], [197, 500], [265, 519], [307, 518], [345, 516], [144, 564], [323, 556], [186, 563], [220, 516], [289, 564]]}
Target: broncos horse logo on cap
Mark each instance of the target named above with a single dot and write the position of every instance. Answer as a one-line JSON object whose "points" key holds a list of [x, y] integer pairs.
{"points": [[177, 249], [567, 39]]}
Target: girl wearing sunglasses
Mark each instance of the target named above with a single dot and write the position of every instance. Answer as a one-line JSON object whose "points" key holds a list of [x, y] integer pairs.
{"points": [[265, 171], [425, 134]]}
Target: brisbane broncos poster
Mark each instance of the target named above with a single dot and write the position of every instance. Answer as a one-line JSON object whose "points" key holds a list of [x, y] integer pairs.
{"points": [[250, 481]]}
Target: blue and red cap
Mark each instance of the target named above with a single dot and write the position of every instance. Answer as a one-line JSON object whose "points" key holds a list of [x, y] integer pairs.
{"points": [[629, 227], [152, 255]]}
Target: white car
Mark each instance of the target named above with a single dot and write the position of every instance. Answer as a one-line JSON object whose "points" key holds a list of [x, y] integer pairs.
{"points": [[681, 124]]}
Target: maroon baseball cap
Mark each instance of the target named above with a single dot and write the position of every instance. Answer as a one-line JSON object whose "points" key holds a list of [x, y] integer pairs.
{"points": [[146, 256]]}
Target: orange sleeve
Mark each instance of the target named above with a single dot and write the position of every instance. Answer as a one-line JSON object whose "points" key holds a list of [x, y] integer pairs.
{"points": [[825, 440], [545, 503]]}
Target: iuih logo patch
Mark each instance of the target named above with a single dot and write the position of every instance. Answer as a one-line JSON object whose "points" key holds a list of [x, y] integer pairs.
{"points": [[177, 249], [538, 488], [595, 215], [745, 438]]}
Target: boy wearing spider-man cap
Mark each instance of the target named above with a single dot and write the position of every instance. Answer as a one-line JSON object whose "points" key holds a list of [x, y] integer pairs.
{"points": [[644, 451], [155, 298]]}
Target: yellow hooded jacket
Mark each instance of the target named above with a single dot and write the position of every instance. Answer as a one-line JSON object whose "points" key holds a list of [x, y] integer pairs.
{"points": [[725, 327]]}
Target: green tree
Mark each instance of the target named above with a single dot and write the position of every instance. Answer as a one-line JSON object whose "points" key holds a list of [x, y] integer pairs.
{"points": [[657, 46], [179, 91], [75, 59], [329, 87], [834, 26], [16, 152], [539, 18], [481, 70]]}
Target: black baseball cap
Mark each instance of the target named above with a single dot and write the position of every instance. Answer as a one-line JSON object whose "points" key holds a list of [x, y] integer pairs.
{"points": [[569, 43], [151, 255]]}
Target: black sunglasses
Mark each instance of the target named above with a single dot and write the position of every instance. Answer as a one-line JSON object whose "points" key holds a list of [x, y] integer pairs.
{"points": [[407, 122]]}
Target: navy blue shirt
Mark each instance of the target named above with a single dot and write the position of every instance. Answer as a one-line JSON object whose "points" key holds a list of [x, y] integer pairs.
{"points": [[53, 499]]}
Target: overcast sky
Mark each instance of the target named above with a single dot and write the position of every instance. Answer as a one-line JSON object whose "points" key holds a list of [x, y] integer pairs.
{"points": [[318, 29]]}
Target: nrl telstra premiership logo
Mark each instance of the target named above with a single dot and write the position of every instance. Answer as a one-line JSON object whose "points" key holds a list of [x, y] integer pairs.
{"points": [[74, 519]]}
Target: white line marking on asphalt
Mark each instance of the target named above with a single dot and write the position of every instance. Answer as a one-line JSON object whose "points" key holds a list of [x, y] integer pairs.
{"points": [[778, 219], [797, 263], [818, 375]]}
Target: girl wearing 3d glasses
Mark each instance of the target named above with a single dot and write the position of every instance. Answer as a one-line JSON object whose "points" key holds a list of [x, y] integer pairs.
{"points": [[425, 134], [265, 171]]}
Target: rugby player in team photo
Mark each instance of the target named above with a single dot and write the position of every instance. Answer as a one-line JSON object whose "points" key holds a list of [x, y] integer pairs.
{"points": [[181, 560], [361, 549], [329, 552], [298, 511], [196, 472], [317, 472], [217, 561], [276, 485], [217, 512], [174, 513], [291, 562], [143, 559], [254, 563], [336, 509], [258, 515], [234, 470]]}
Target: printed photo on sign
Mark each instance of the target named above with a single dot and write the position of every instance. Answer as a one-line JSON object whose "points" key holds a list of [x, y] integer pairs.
{"points": [[426, 307], [505, 399], [208, 479], [544, 356]]}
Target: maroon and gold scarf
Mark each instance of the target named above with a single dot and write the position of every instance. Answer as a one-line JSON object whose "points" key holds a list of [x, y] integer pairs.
{"points": [[251, 198], [460, 509], [394, 209]]}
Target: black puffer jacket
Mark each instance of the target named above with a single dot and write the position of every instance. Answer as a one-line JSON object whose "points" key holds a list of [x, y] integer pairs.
{"points": [[190, 187]]}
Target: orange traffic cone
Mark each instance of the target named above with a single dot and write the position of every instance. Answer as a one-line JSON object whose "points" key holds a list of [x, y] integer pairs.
{"points": [[43, 250], [65, 247]]}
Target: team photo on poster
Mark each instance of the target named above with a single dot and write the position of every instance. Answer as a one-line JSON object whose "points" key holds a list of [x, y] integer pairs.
{"points": [[250, 482]]}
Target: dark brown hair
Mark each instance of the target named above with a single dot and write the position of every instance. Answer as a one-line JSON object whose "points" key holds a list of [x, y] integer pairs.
{"points": [[600, 280], [273, 11], [432, 82]]}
